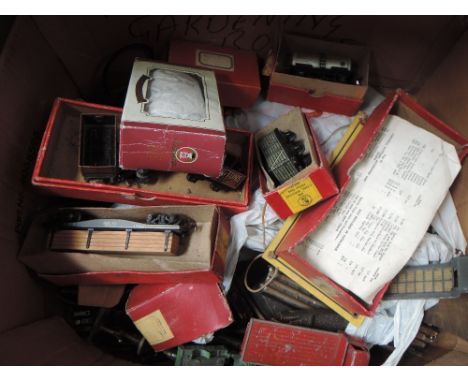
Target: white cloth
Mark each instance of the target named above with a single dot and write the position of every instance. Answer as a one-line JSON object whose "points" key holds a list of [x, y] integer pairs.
{"points": [[174, 94], [254, 228]]}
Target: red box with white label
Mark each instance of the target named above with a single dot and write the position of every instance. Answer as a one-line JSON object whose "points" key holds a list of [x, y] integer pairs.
{"points": [[57, 167], [169, 315], [314, 93], [236, 70], [282, 251], [172, 120], [308, 187], [276, 344], [202, 257]]}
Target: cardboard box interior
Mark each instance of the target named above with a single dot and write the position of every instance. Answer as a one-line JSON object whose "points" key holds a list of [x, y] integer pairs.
{"points": [[62, 157], [359, 55], [293, 121], [195, 250], [90, 57]]}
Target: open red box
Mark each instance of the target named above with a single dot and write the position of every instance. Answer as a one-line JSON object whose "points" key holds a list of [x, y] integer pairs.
{"points": [[236, 70], [314, 93], [308, 187], [203, 259], [168, 315], [57, 171], [281, 252]]}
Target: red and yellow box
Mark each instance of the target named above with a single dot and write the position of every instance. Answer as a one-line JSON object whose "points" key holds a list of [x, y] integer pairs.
{"points": [[276, 344], [203, 258], [314, 93], [282, 254], [236, 70], [57, 167], [310, 186], [168, 315]]}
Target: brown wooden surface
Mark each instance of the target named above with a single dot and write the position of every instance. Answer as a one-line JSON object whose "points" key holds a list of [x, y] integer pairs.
{"points": [[151, 243]]}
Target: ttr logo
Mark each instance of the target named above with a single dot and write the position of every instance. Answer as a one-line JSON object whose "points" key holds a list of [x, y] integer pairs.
{"points": [[186, 155]]}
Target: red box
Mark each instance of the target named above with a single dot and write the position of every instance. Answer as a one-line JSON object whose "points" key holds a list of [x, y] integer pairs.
{"points": [[312, 93], [275, 344], [168, 131], [57, 170], [168, 315], [203, 259], [311, 185], [282, 251], [236, 70]]}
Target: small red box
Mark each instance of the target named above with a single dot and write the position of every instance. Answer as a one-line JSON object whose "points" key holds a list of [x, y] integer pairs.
{"points": [[282, 251], [203, 258], [275, 344], [311, 185], [57, 167], [168, 315], [236, 70], [172, 120], [313, 93]]}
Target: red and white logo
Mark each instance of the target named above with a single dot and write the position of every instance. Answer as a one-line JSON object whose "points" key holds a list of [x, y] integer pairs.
{"points": [[186, 155]]}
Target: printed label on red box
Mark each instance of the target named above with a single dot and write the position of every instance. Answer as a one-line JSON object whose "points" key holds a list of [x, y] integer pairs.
{"points": [[186, 155], [213, 60], [154, 328], [300, 195]]}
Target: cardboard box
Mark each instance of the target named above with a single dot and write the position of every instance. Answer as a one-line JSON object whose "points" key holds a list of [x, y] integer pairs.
{"points": [[202, 258], [57, 167], [236, 70], [313, 93], [281, 252], [172, 133], [168, 315], [407, 50], [308, 187], [276, 344]]}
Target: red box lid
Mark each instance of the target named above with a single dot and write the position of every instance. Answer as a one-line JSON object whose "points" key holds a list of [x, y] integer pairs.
{"points": [[272, 343], [172, 314], [236, 70]]}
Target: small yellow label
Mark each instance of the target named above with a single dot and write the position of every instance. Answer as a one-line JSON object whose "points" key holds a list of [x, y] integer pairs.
{"points": [[300, 195], [154, 328]]}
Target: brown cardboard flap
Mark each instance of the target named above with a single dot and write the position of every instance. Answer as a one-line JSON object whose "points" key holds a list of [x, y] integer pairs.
{"points": [[445, 93], [447, 350], [196, 252], [103, 296], [50, 342]]}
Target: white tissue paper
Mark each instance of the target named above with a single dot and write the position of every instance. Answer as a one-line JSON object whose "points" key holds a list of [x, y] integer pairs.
{"points": [[175, 94], [399, 320], [254, 229]]}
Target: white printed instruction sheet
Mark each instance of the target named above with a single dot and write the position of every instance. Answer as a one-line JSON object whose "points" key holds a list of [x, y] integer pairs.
{"points": [[382, 216]]}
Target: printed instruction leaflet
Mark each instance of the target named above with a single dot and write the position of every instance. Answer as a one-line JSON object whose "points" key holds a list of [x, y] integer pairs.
{"points": [[382, 216]]}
